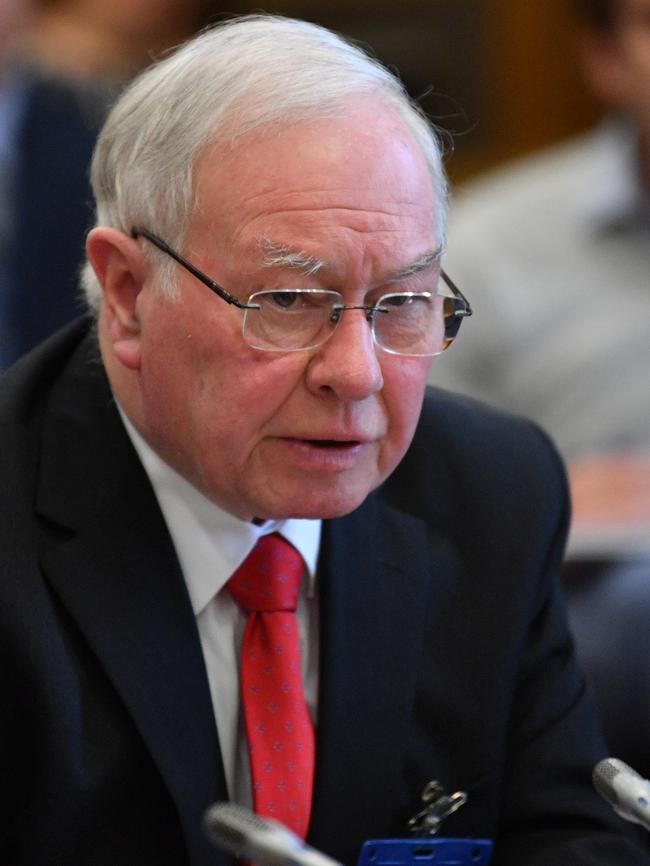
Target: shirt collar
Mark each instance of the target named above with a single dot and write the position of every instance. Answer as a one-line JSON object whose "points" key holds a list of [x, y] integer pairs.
{"points": [[211, 543]]}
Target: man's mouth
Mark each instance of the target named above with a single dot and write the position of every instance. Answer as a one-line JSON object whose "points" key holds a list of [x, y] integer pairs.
{"points": [[326, 454], [332, 443]]}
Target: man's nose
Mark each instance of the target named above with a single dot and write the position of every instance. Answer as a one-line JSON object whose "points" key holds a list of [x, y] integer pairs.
{"points": [[348, 363]]}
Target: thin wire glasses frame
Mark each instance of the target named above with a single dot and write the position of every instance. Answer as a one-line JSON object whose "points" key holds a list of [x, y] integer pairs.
{"points": [[462, 307]]}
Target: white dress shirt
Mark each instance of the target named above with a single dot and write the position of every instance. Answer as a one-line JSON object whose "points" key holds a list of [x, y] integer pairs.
{"points": [[211, 544]]}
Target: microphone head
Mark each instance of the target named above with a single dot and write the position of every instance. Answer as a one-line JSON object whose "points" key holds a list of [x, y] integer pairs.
{"points": [[604, 774], [241, 832], [624, 789], [259, 840]]}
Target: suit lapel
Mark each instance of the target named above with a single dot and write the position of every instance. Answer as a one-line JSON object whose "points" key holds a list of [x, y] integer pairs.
{"points": [[372, 589], [114, 569]]}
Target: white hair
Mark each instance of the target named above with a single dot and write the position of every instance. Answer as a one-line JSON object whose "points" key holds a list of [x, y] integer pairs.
{"points": [[231, 79]]}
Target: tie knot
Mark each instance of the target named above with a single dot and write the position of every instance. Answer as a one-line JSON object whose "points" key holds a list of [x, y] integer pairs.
{"points": [[269, 578]]}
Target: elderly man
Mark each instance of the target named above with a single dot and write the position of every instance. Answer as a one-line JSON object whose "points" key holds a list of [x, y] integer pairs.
{"points": [[268, 295]]}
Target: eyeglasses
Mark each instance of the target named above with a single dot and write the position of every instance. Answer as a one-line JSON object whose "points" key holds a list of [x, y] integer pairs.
{"points": [[290, 320]]}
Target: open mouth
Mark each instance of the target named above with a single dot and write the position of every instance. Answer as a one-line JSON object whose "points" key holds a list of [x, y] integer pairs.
{"points": [[331, 443], [326, 454]]}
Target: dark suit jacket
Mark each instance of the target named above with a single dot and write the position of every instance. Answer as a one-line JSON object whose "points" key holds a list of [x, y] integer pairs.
{"points": [[444, 647], [52, 209]]}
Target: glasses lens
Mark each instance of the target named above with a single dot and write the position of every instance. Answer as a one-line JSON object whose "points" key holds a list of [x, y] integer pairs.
{"points": [[288, 320], [417, 324]]}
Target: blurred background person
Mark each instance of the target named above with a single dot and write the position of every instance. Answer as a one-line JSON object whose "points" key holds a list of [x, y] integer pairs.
{"points": [[108, 40], [554, 251], [47, 132], [61, 64]]}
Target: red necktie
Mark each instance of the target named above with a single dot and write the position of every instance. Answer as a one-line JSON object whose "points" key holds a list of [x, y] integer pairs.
{"points": [[279, 729]]}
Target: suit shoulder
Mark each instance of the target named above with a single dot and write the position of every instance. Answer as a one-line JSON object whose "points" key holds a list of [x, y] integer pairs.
{"points": [[460, 421], [25, 386], [468, 454]]}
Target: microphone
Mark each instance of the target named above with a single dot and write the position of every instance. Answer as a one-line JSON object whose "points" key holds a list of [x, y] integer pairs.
{"points": [[624, 789], [262, 841]]}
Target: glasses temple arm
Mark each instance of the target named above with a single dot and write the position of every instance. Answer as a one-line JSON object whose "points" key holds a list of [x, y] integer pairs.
{"points": [[137, 232], [457, 292]]}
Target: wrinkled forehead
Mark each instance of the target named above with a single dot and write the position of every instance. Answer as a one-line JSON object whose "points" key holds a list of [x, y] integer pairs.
{"points": [[365, 161]]}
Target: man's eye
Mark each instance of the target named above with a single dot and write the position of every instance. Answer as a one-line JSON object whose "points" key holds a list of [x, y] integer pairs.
{"points": [[395, 300], [284, 300]]}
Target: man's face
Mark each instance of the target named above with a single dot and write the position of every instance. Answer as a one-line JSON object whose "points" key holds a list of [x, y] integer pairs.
{"points": [[633, 40], [617, 62], [307, 433], [12, 14]]}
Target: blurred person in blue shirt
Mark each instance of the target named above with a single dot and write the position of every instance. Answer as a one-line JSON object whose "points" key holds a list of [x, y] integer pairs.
{"points": [[47, 132]]}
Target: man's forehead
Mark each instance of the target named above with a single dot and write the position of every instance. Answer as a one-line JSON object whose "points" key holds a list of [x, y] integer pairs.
{"points": [[313, 197], [356, 150]]}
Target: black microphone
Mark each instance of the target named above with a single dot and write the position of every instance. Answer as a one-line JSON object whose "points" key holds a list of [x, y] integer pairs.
{"points": [[624, 789], [259, 840]]}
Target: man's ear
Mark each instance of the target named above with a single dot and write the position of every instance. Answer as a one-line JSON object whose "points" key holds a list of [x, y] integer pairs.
{"points": [[121, 269]]}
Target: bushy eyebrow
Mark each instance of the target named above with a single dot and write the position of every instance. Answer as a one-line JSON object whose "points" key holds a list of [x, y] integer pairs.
{"points": [[277, 255], [422, 263]]}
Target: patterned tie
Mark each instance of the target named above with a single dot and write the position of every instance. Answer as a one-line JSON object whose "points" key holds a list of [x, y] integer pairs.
{"points": [[279, 729]]}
